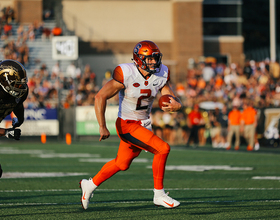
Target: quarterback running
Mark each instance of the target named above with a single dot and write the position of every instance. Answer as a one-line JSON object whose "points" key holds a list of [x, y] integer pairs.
{"points": [[137, 84]]}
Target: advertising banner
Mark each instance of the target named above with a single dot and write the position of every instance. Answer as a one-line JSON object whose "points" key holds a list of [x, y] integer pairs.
{"points": [[86, 121], [37, 121]]}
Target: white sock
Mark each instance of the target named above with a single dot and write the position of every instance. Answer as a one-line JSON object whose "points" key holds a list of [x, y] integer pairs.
{"points": [[92, 185], [158, 192]]}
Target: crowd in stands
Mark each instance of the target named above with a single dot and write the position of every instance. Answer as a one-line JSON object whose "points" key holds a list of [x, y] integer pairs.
{"points": [[204, 81], [220, 86], [17, 49], [11, 49]]}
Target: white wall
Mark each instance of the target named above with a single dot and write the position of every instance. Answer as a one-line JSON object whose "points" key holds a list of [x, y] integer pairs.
{"points": [[5, 3], [120, 21]]}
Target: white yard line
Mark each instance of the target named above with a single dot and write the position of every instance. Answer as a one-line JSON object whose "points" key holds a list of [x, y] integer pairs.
{"points": [[132, 202], [166, 189]]}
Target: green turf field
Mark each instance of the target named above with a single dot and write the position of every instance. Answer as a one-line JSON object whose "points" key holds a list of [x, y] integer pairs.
{"points": [[41, 181]]}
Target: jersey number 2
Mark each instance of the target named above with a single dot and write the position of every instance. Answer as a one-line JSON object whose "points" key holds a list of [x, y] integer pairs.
{"points": [[146, 94]]}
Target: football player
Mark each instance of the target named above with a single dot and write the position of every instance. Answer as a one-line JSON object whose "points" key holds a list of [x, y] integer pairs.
{"points": [[13, 92], [137, 84]]}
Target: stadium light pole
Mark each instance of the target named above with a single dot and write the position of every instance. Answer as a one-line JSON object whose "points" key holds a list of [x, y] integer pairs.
{"points": [[272, 30]]}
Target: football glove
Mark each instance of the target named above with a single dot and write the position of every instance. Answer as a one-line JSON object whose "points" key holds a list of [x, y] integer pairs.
{"points": [[13, 133], [15, 122]]}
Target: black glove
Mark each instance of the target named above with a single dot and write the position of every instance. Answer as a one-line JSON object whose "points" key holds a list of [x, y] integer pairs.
{"points": [[15, 122], [13, 133]]}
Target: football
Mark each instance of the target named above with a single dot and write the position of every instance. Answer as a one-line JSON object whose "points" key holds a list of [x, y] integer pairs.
{"points": [[164, 98]]}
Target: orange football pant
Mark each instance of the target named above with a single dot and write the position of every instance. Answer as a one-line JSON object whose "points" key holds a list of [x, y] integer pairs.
{"points": [[134, 139]]}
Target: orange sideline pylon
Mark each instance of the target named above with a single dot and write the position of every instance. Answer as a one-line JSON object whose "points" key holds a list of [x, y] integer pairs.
{"points": [[43, 138], [68, 139]]}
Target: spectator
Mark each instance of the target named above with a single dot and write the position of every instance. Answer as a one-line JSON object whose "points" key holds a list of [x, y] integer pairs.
{"points": [[234, 119], [31, 32], [20, 32], [43, 90], [194, 123], [8, 29], [39, 29], [219, 82], [260, 124], [44, 73], [274, 70], [55, 70], [248, 71], [31, 102], [89, 75], [201, 84], [8, 14], [180, 90], [208, 72], [46, 33], [57, 31], [47, 14], [72, 71], [169, 123], [23, 54], [176, 132], [107, 77], [223, 121], [215, 129], [249, 124], [158, 123], [181, 118]]}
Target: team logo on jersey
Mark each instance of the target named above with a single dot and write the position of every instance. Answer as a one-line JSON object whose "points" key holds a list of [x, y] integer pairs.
{"points": [[136, 85], [146, 83]]}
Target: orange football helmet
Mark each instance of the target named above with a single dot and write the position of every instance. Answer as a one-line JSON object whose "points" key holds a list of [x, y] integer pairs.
{"points": [[145, 49]]}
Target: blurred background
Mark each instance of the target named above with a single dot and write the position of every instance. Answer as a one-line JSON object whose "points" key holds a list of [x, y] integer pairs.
{"points": [[219, 52]]}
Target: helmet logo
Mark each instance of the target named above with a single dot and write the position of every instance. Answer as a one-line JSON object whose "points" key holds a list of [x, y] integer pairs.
{"points": [[137, 48], [11, 72], [11, 81]]}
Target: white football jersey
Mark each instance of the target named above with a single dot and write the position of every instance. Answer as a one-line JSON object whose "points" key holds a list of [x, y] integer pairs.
{"points": [[136, 99]]}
